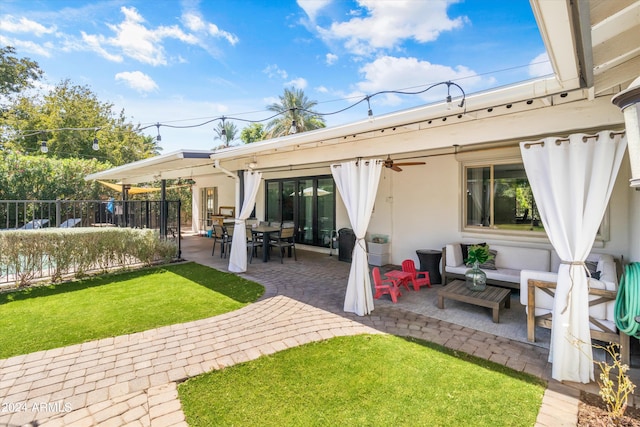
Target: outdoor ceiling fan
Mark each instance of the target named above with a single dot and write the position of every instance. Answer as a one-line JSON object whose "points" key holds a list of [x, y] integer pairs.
{"points": [[388, 163]]}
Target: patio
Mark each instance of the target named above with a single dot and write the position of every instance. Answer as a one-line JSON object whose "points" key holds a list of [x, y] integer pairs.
{"points": [[132, 378]]}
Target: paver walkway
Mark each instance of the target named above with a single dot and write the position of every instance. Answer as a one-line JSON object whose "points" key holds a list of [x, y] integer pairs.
{"points": [[132, 380]]}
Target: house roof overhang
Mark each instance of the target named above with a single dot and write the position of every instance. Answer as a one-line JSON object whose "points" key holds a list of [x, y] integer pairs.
{"points": [[174, 165]]}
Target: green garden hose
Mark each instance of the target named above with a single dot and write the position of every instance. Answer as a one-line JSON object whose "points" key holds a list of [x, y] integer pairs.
{"points": [[628, 301]]}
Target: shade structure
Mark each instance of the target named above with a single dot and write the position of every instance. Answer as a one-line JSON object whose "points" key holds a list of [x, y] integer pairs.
{"points": [[138, 190], [238, 254], [357, 183], [572, 180]]}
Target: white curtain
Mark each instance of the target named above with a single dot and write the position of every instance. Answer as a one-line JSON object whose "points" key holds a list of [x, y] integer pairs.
{"points": [[238, 256], [572, 181], [357, 183]]}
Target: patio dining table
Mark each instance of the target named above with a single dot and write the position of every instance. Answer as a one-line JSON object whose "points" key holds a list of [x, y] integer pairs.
{"points": [[265, 230]]}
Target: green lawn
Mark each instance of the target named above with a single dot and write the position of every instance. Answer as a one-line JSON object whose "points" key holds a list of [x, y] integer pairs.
{"points": [[47, 317], [365, 380]]}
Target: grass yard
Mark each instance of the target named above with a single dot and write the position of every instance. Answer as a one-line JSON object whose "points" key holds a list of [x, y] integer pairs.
{"points": [[372, 380], [42, 318]]}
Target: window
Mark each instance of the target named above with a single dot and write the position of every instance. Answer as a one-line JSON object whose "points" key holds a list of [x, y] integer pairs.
{"points": [[498, 197], [307, 202], [209, 205]]}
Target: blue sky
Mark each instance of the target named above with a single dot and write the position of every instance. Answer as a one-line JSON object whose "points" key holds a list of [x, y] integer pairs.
{"points": [[185, 62]]}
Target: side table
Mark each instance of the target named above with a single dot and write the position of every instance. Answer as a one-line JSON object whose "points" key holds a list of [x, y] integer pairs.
{"points": [[430, 261]]}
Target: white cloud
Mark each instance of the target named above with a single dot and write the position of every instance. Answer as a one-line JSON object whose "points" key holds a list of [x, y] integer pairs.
{"points": [[94, 43], [413, 75], [540, 66], [217, 32], [322, 89], [389, 23], [44, 49], [134, 38], [331, 58], [299, 83], [137, 80], [274, 71], [193, 22], [311, 7], [11, 24]]}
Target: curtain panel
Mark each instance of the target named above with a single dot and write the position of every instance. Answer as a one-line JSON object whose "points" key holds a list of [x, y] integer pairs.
{"points": [[357, 183], [572, 180], [238, 254]]}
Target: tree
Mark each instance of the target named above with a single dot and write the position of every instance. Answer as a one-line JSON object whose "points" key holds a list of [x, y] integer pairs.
{"points": [[42, 178], [294, 107], [226, 132], [56, 119], [252, 133], [16, 74]]}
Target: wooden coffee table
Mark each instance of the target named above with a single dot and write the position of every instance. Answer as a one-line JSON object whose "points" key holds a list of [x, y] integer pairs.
{"points": [[493, 297]]}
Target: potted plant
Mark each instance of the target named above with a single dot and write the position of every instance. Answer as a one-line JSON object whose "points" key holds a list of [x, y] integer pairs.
{"points": [[476, 279]]}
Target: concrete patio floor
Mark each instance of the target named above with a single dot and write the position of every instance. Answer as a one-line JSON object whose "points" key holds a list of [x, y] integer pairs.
{"points": [[132, 380]]}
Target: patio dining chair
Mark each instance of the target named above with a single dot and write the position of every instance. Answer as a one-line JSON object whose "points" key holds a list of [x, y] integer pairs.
{"points": [[228, 229], [284, 240], [410, 267], [253, 243], [219, 238], [385, 286]]}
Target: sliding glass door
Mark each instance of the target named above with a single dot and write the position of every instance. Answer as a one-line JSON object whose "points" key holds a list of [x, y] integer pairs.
{"points": [[308, 203]]}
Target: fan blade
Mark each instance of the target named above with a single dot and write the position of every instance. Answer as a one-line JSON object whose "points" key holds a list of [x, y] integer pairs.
{"points": [[411, 163], [396, 168]]}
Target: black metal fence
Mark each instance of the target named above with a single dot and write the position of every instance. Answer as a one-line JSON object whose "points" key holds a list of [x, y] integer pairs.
{"points": [[163, 216]]}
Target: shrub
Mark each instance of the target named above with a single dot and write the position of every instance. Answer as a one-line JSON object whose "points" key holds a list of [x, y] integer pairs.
{"points": [[29, 254]]}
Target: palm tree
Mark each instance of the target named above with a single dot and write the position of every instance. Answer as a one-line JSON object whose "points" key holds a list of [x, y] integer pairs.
{"points": [[296, 111], [226, 132]]}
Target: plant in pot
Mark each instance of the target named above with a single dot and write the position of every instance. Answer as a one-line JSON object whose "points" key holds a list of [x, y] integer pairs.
{"points": [[476, 279]]}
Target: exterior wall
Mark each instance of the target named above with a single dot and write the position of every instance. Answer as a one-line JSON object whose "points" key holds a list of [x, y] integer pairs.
{"points": [[418, 207], [226, 194]]}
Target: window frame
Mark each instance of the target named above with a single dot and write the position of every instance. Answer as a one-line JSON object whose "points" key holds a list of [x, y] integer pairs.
{"points": [[479, 161]]}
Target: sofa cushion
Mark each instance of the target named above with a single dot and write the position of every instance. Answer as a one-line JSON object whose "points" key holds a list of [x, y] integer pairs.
{"points": [[454, 255], [520, 258]]}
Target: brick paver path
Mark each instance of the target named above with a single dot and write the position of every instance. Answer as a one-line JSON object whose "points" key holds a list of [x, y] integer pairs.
{"points": [[132, 380]]}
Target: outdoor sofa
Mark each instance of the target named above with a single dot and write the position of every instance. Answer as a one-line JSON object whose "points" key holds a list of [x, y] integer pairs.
{"points": [[504, 270]]}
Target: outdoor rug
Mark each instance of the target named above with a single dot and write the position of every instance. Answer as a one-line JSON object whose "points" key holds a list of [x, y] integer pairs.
{"points": [[513, 321]]}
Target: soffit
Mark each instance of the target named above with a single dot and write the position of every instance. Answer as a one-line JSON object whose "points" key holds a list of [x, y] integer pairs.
{"points": [[179, 164], [591, 43], [615, 35]]}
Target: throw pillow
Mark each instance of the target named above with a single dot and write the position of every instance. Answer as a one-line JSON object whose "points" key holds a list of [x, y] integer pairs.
{"points": [[490, 264], [465, 249], [596, 275], [592, 266]]}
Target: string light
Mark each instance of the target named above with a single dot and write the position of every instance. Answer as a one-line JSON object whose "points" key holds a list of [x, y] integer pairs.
{"points": [[293, 129]]}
